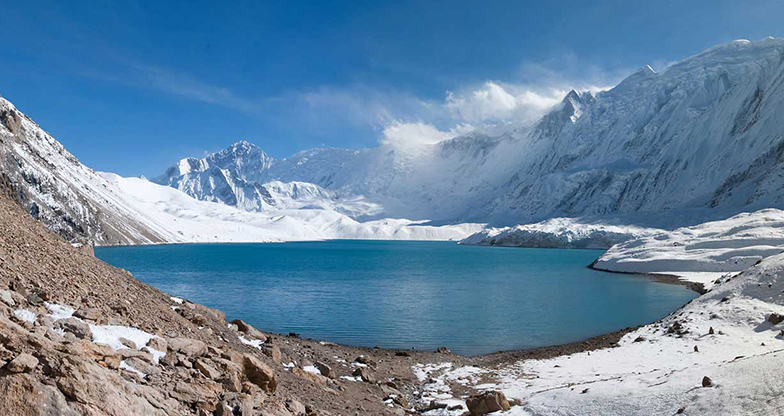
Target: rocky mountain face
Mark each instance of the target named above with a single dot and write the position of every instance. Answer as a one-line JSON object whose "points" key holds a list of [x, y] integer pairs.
{"points": [[702, 139], [55, 188]]}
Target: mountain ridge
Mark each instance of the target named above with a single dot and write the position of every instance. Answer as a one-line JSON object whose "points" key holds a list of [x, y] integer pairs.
{"points": [[686, 141]]}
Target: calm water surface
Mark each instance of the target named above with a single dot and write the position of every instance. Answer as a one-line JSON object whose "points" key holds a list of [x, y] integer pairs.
{"points": [[403, 294]]}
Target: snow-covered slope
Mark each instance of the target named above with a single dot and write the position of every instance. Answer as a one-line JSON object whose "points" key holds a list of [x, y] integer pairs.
{"points": [[701, 140], [560, 233], [659, 369], [703, 252], [732, 335], [190, 220]]}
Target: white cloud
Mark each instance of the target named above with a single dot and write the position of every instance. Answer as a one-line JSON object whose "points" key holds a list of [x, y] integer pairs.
{"points": [[494, 103], [408, 136]]}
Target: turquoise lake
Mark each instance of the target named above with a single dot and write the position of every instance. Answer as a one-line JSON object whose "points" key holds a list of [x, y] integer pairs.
{"points": [[406, 294]]}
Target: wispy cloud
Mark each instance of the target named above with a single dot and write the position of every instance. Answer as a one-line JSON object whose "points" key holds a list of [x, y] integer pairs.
{"points": [[186, 86]]}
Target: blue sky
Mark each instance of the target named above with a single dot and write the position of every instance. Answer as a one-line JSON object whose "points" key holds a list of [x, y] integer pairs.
{"points": [[130, 87]]}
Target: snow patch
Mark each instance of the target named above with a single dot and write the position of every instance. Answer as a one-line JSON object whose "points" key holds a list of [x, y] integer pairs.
{"points": [[25, 315]]}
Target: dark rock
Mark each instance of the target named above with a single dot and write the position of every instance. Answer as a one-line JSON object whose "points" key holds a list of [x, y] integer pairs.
{"points": [[775, 318], [325, 370], [34, 299], [76, 327], [365, 375], [707, 382], [443, 350]]}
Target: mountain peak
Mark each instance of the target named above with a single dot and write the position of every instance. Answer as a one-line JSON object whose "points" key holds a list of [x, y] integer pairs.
{"points": [[242, 146]]}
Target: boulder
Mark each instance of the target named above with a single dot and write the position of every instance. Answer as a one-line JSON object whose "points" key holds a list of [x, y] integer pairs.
{"points": [[215, 313], [487, 402], [401, 401], [188, 347], [91, 314], [142, 365], [6, 297], [324, 369], [158, 344], [128, 343], [272, 351], [707, 382], [259, 373], [308, 376], [365, 375], [78, 328], [206, 369], [443, 350], [249, 330], [295, 407], [362, 359], [775, 318], [23, 363]]}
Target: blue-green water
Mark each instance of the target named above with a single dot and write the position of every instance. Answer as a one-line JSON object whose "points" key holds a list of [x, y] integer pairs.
{"points": [[402, 294]]}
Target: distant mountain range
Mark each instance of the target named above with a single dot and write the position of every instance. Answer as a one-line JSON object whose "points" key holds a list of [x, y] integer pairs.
{"points": [[703, 139]]}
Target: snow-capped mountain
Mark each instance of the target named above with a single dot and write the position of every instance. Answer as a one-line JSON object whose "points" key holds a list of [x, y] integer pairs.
{"points": [[240, 176], [54, 187], [85, 206], [701, 140]]}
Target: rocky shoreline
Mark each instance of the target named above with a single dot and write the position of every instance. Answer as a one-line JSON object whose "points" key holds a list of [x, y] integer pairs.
{"points": [[669, 279]]}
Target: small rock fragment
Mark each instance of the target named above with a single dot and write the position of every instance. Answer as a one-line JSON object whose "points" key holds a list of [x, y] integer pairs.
{"points": [[23, 363], [128, 343]]}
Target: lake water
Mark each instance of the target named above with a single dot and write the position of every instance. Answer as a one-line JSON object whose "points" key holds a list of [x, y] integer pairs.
{"points": [[405, 294]]}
